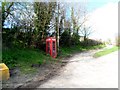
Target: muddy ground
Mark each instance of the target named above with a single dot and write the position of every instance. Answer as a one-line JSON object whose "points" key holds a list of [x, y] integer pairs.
{"points": [[44, 72]]}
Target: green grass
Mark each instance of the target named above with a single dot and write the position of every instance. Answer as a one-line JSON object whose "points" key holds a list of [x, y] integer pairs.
{"points": [[66, 51], [105, 52], [24, 58]]}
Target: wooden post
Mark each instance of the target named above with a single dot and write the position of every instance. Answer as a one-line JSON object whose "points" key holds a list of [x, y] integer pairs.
{"points": [[57, 28]]}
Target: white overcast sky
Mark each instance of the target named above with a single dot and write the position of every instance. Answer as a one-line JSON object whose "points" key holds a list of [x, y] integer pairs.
{"points": [[103, 17], [104, 20]]}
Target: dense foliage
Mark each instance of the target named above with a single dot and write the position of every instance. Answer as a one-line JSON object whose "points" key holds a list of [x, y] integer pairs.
{"points": [[25, 27]]}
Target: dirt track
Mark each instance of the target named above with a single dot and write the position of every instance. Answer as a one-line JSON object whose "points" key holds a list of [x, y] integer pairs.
{"points": [[84, 71]]}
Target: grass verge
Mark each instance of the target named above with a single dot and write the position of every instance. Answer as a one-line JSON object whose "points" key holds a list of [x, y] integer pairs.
{"points": [[25, 58], [105, 52], [66, 51]]}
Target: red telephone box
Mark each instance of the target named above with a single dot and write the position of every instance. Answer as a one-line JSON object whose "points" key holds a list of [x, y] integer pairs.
{"points": [[51, 46]]}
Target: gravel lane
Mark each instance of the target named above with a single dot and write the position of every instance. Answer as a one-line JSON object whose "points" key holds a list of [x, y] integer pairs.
{"points": [[84, 71]]}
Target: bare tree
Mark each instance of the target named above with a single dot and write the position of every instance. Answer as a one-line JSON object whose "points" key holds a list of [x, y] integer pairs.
{"points": [[86, 32], [77, 21]]}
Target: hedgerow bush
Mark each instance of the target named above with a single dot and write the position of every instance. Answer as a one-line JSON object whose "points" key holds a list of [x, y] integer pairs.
{"points": [[91, 42]]}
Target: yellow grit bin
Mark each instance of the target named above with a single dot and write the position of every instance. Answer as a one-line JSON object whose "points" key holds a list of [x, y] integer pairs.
{"points": [[4, 72]]}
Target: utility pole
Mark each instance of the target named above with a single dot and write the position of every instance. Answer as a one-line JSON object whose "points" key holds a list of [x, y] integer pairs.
{"points": [[57, 26]]}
